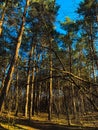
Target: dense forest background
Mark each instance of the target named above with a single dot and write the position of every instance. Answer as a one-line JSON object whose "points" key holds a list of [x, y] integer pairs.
{"points": [[45, 71]]}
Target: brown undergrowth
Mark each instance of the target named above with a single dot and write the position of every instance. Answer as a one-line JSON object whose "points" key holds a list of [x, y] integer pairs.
{"points": [[40, 122]]}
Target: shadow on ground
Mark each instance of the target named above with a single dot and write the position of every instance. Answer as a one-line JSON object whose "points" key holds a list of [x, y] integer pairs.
{"points": [[45, 125], [50, 126], [2, 128]]}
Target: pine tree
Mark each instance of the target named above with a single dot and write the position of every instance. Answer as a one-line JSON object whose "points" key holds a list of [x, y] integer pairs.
{"points": [[6, 87]]}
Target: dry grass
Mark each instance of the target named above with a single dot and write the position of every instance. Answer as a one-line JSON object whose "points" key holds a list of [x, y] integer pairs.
{"points": [[16, 127], [40, 121]]}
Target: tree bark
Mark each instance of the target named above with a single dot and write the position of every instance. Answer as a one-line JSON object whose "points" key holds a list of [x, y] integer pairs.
{"points": [[33, 97], [2, 16], [32, 93], [28, 81], [50, 86], [70, 84], [17, 93], [8, 78]]}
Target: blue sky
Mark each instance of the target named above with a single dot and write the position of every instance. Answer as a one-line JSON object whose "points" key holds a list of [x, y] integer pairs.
{"points": [[67, 8]]}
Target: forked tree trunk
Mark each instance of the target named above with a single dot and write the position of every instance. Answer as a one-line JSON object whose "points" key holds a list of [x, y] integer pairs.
{"points": [[28, 81], [8, 78]]}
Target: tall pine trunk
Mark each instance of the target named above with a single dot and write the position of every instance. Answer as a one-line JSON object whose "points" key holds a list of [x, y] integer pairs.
{"points": [[8, 78], [28, 81], [70, 84], [32, 94], [17, 92], [50, 86], [33, 80], [2, 16], [38, 85]]}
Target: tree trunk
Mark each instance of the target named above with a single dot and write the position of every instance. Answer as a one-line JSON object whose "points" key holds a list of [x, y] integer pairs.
{"points": [[17, 94], [27, 95], [28, 82], [37, 97], [58, 87], [50, 87], [8, 78], [74, 102], [67, 108], [97, 10], [2, 16], [32, 93], [38, 88], [82, 110], [70, 84]]}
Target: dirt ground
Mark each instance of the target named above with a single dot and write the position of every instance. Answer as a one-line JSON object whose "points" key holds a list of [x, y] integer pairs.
{"points": [[41, 125]]}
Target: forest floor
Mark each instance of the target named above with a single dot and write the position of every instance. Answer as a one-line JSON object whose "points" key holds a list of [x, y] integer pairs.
{"points": [[40, 122]]}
